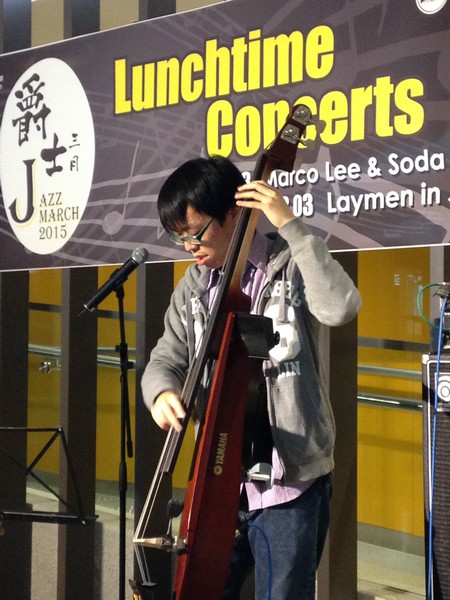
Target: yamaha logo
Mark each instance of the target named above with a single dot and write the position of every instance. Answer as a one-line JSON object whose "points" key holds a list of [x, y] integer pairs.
{"points": [[429, 7], [220, 453]]}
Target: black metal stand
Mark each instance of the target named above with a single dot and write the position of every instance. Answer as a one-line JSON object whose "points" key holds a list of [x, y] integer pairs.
{"points": [[126, 445], [72, 514]]}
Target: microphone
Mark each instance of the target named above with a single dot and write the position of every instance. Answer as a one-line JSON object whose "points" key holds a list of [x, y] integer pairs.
{"points": [[118, 277]]}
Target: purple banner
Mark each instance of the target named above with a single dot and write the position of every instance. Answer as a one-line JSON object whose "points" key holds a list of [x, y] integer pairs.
{"points": [[91, 127]]}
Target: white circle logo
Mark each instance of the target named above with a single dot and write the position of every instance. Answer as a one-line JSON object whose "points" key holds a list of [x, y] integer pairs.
{"points": [[430, 7], [444, 388], [47, 154]]}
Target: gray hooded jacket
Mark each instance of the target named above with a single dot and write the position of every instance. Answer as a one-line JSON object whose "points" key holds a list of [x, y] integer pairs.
{"points": [[305, 290]]}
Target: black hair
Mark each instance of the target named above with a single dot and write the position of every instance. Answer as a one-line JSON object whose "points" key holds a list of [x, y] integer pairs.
{"points": [[206, 184]]}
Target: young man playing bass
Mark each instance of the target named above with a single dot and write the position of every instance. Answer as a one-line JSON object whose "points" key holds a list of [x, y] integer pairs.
{"points": [[292, 278]]}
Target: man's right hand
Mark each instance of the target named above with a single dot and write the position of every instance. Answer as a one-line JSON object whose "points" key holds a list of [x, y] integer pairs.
{"points": [[167, 410]]}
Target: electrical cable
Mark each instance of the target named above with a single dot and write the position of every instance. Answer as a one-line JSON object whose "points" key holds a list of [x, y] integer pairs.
{"points": [[419, 303], [443, 292], [433, 451]]}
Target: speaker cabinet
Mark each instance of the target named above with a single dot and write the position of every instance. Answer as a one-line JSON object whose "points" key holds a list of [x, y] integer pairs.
{"points": [[436, 448]]}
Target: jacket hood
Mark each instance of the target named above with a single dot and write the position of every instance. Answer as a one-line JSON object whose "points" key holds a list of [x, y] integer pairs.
{"points": [[279, 255], [197, 278]]}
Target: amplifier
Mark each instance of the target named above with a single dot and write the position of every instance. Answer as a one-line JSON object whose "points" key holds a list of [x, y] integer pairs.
{"points": [[436, 448]]}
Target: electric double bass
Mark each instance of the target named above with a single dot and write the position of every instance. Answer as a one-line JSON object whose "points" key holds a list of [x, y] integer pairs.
{"points": [[233, 342]]}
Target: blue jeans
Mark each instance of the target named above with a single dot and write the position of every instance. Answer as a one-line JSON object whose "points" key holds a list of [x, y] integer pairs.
{"points": [[283, 544]]}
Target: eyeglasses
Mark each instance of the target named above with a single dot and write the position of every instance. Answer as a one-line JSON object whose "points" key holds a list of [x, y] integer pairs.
{"points": [[196, 239]]}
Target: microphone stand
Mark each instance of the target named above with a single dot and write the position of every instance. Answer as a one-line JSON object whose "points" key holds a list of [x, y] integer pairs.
{"points": [[126, 444]]}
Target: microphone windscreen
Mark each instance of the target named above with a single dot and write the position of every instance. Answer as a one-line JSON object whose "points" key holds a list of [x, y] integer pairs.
{"points": [[139, 255]]}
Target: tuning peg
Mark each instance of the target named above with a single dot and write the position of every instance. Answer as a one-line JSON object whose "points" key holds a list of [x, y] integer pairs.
{"points": [[302, 114], [308, 143], [318, 123]]}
